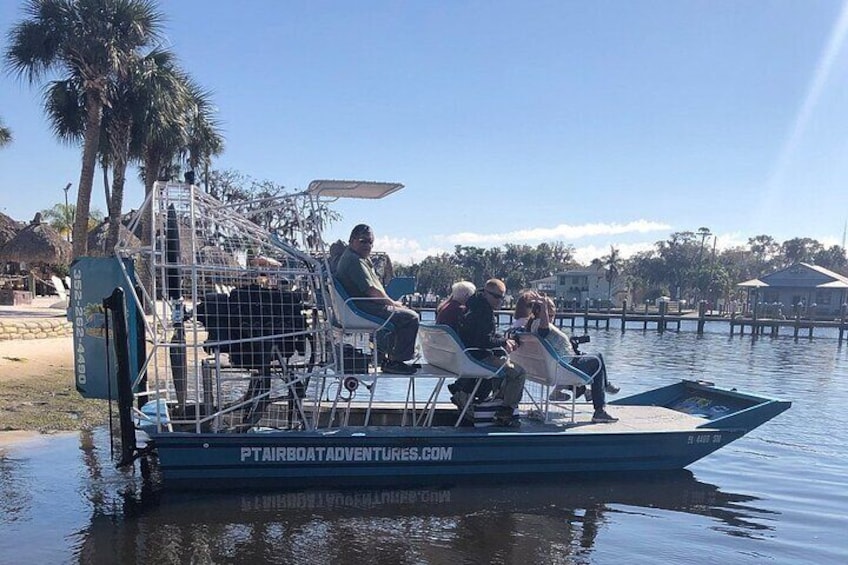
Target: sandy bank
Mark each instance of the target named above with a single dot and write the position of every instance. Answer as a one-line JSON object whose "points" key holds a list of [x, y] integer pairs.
{"points": [[33, 358]]}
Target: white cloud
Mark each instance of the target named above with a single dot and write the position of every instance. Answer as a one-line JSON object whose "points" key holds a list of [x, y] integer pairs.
{"points": [[564, 232], [585, 254], [404, 250]]}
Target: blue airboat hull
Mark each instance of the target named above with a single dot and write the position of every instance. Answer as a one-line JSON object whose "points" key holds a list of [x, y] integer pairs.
{"points": [[392, 455]]}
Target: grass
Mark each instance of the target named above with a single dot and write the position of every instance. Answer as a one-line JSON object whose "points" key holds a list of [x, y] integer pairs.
{"points": [[48, 403]]}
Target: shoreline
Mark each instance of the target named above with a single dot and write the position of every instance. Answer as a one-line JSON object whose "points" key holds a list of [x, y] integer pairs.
{"points": [[38, 396], [19, 438]]}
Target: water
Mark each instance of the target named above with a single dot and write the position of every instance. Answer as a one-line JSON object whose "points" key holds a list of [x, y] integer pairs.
{"points": [[777, 496]]}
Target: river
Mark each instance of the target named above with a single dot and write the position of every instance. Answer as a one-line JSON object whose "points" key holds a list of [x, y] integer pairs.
{"points": [[778, 495]]}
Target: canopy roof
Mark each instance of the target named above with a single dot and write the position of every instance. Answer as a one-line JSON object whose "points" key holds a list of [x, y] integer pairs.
{"points": [[352, 188]]}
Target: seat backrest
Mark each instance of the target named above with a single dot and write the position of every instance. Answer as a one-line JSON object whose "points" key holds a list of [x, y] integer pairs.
{"points": [[345, 313], [542, 364], [443, 349]]}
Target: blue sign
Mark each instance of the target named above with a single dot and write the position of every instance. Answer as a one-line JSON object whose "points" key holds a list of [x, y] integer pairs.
{"points": [[92, 280]]}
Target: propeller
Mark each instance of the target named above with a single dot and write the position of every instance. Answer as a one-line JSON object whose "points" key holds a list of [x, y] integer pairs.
{"points": [[179, 367]]}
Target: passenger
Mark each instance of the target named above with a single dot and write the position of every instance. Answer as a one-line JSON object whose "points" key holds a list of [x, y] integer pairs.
{"points": [[450, 311], [524, 309], [543, 311], [477, 330], [356, 274]]}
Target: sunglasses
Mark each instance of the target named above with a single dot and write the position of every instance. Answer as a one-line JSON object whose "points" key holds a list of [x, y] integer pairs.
{"points": [[366, 241], [495, 294]]}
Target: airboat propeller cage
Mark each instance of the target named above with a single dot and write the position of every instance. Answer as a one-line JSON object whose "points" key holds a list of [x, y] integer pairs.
{"points": [[212, 282]]}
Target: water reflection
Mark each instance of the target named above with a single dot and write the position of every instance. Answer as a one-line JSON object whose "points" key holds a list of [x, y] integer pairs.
{"points": [[540, 522], [62, 500]]}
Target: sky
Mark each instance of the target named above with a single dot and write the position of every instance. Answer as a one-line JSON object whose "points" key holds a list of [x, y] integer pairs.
{"points": [[592, 123]]}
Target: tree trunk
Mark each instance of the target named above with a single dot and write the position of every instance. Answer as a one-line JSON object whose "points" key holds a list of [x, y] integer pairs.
{"points": [[106, 183], [118, 178], [144, 269], [151, 173], [89, 162]]}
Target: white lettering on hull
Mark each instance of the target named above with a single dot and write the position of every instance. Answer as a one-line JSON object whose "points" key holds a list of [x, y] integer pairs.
{"points": [[344, 454]]}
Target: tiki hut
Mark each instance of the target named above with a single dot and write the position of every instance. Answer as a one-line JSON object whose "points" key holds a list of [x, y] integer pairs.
{"points": [[37, 244], [98, 236], [9, 228]]}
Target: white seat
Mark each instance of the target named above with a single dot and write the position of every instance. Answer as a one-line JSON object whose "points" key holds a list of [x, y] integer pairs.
{"points": [[443, 349], [543, 365], [347, 316]]}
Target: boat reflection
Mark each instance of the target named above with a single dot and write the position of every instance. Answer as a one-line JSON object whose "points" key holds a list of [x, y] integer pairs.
{"points": [[507, 522]]}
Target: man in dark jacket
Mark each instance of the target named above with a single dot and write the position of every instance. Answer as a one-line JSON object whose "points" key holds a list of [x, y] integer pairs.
{"points": [[477, 329]]}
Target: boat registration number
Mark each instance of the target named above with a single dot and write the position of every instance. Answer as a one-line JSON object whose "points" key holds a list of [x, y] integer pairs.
{"points": [[703, 438]]}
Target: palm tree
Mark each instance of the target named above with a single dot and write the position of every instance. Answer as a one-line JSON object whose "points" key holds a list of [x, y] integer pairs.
{"points": [[5, 134], [150, 100], [188, 130], [61, 217], [89, 41], [613, 264], [204, 132]]}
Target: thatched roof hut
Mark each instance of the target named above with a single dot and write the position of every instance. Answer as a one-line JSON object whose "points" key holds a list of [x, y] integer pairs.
{"points": [[9, 228], [98, 236], [37, 243]]}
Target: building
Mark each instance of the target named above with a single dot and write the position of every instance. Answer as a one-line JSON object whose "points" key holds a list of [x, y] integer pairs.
{"points": [[815, 290], [589, 284]]}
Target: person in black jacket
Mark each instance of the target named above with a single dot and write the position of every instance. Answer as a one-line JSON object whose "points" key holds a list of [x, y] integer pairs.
{"points": [[477, 329]]}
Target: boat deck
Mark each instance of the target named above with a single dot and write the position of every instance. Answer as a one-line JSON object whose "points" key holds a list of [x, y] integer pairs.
{"points": [[632, 419]]}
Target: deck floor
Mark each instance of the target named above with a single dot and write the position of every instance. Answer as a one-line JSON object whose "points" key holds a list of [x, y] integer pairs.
{"points": [[632, 419]]}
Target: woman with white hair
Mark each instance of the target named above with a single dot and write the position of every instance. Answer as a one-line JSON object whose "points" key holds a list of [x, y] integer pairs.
{"points": [[451, 310]]}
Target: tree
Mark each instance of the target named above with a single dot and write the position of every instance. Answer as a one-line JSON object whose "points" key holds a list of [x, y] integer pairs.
{"points": [[267, 204], [613, 264], [89, 41], [832, 258], [61, 218], [5, 134], [152, 99], [800, 249], [764, 248]]}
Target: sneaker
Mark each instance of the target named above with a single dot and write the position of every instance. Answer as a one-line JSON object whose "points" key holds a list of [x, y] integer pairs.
{"points": [[612, 389], [398, 368], [602, 417], [559, 395], [453, 388]]}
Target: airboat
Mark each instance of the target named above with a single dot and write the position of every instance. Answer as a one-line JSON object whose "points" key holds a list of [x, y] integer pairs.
{"points": [[236, 360]]}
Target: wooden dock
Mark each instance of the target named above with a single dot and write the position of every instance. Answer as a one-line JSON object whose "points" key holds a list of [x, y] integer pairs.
{"points": [[663, 321]]}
